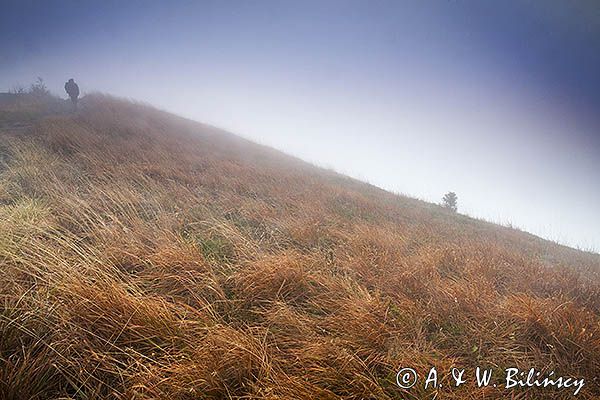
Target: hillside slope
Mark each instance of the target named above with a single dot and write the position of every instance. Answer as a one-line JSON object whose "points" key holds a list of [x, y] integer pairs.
{"points": [[149, 256]]}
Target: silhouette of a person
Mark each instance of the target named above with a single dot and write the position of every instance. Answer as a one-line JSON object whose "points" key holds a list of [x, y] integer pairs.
{"points": [[72, 90]]}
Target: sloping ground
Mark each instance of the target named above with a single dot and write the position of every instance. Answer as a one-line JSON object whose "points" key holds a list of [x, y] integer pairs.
{"points": [[147, 256]]}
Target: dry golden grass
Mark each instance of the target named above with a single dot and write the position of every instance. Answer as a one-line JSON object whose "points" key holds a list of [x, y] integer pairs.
{"points": [[146, 256]]}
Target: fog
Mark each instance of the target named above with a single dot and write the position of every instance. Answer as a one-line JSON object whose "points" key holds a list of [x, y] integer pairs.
{"points": [[496, 102]]}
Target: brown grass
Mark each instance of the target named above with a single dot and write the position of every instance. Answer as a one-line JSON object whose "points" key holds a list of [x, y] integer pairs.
{"points": [[147, 256]]}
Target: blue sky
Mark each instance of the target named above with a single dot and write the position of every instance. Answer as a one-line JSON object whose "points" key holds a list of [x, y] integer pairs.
{"points": [[497, 101]]}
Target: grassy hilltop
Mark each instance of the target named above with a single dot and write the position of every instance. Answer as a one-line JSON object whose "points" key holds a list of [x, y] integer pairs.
{"points": [[147, 256]]}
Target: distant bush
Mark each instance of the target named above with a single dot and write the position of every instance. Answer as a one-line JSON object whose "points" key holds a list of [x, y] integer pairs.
{"points": [[27, 103], [450, 201], [17, 89], [39, 88]]}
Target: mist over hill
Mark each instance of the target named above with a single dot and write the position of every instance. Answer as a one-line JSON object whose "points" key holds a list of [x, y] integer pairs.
{"points": [[145, 255]]}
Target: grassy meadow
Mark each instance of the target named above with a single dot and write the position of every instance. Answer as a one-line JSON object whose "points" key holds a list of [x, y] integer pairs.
{"points": [[146, 256]]}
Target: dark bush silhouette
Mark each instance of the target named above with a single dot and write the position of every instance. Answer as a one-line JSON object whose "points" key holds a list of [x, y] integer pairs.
{"points": [[39, 88], [450, 201]]}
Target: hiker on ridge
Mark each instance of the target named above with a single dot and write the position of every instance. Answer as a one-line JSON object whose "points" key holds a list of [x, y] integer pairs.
{"points": [[72, 90]]}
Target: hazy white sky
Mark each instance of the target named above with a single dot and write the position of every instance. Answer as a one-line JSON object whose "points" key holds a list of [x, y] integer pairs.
{"points": [[495, 101]]}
